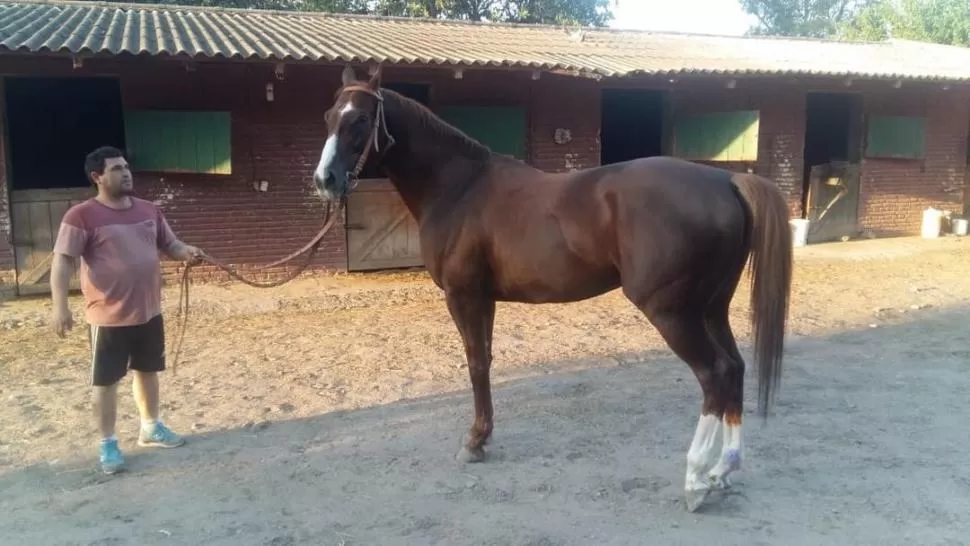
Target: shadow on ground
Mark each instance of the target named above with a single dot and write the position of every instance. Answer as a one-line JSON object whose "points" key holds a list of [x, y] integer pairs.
{"points": [[867, 446]]}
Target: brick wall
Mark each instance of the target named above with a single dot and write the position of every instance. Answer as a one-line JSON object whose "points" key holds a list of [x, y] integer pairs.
{"points": [[895, 192], [554, 102], [280, 142], [573, 104], [782, 127]]}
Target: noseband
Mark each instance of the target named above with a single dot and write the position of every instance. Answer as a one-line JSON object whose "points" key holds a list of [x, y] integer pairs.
{"points": [[373, 140]]}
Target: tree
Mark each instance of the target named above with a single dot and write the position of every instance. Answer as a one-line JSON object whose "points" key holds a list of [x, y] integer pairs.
{"points": [[939, 21], [809, 18], [560, 12]]}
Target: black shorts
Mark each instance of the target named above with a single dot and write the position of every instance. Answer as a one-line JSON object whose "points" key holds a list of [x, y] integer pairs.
{"points": [[115, 349]]}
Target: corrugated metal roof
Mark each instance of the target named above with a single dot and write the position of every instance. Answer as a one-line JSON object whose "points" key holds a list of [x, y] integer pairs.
{"points": [[97, 28]]}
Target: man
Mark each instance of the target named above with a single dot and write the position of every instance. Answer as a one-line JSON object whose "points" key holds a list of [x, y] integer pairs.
{"points": [[117, 237]]}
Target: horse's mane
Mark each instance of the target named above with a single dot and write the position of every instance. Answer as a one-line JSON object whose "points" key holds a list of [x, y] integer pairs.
{"points": [[425, 118]]}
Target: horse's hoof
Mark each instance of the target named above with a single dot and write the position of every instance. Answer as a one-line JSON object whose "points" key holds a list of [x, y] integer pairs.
{"points": [[695, 498], [466, 455], [719, 482]]}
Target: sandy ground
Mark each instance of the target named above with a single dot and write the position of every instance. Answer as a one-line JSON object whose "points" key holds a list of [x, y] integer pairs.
{"points": [[329, 412]]}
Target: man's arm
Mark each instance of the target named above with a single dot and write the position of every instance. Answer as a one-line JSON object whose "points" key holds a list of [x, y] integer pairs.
{"points": [[177, 250], [62, 267], [72, 239]]}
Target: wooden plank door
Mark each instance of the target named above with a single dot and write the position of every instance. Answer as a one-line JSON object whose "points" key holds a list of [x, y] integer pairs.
{"points": [[36, 217], [381, 233], [833, 202]]}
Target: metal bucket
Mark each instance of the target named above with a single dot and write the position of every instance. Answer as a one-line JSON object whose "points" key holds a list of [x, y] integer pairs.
{"points": [[959, 226], [799, 231]]}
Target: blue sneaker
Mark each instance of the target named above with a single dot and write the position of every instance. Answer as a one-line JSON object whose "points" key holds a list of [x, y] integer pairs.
{"points": [[111, 459], [160, 436]]}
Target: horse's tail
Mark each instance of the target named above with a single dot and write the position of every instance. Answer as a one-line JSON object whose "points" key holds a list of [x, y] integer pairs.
{"points": [[771, 274]]}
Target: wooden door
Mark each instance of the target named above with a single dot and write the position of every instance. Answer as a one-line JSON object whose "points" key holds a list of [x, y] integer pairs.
{"points": [[381, 233], [36, 218], [833, 202]]}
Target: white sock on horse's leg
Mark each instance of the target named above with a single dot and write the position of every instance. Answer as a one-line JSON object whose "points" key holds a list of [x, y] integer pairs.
{"points": [[732, 453], [701, 457]]}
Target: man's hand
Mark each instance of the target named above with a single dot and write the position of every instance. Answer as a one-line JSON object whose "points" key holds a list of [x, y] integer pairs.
{"points": [[191, 253], [62, 320], [187, 253]]}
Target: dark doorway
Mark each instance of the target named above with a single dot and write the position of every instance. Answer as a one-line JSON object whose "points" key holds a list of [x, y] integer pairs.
{"points": [[420, 92], [53, 123], [631, 124], [833, 146]]}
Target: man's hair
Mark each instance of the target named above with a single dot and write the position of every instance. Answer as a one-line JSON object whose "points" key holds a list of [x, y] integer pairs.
{"points": [[94, 162]]}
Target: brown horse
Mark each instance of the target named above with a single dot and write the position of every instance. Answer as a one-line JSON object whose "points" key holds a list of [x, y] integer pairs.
{"points": [[673, 235]]}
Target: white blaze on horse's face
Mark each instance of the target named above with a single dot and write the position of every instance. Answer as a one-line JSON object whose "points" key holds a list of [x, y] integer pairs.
{"points": [[328, 156]]}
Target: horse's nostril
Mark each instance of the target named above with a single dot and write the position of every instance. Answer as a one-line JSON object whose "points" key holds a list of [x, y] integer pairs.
{"points": [[329, 178]]}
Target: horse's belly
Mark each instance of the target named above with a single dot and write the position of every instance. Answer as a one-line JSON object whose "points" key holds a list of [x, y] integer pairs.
{"points": [[554, 281]]}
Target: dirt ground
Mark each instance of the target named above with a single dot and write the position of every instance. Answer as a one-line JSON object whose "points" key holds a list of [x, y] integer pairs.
{"points": [[329, 411]]}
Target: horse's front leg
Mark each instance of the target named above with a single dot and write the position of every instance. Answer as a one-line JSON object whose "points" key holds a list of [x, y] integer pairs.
{"points": [[474, 315]]}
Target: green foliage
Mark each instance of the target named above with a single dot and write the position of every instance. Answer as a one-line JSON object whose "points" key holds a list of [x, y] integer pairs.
{"points": [[939, 21], [562, 12], [809, 18]]}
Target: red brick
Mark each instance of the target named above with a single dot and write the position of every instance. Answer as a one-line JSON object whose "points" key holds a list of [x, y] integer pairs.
{"points": [[280, 142]]}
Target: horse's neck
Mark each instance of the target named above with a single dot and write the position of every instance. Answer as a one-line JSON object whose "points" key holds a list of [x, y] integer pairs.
{"points": [[423, 160]]}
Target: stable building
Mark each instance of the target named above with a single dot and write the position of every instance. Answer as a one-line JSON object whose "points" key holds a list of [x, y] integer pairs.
{"points": [[221, 113]]}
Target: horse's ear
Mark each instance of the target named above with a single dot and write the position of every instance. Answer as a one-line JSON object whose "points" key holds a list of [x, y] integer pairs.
{"points": [[348, 76], [375, 80]]}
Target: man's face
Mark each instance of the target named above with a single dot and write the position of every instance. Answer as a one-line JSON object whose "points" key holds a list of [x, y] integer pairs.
{"points": [[116, 180]]}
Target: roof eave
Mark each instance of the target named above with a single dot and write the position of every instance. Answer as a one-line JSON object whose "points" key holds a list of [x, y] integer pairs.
{"points": [[559, 69]]}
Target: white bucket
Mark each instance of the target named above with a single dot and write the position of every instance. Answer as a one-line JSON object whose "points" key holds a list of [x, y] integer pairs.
{"points": [[959, 226], [799, 231], [932, 223]]}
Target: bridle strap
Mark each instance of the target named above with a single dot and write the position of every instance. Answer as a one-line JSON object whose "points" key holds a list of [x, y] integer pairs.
{"points": [[373, 140]]}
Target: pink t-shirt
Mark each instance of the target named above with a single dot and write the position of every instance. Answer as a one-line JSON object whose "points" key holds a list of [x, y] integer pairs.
{"points": [[120, 272]]}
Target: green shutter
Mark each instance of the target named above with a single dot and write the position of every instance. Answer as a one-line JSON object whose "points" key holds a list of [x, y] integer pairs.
{"points": [[896, 137], [175, 141], [502, 128], [721, 136]]}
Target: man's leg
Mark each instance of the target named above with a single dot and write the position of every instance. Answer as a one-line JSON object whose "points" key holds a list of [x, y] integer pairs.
{"points": [[147, 359], [109, 363], [144, 387]]}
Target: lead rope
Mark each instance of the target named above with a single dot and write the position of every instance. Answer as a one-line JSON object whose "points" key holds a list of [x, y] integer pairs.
{"points": [[182, 312], [373, 142]]}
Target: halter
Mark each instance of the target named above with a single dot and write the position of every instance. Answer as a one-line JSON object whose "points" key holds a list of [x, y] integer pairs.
{"points": [[373, 140]]}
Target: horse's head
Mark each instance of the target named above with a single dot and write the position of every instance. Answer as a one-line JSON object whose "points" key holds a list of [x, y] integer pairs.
{"points": [[356, 132]]}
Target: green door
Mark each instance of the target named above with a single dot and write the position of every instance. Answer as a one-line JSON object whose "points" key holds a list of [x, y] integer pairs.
{"points": [[501, 128]]}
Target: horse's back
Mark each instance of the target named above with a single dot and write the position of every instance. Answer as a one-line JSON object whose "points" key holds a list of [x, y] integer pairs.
{"points": [[662, 211], [651, 195], [566, 236]]}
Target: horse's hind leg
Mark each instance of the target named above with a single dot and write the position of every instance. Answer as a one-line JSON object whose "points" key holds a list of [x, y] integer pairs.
{"points": [[731, 377], [685, 331]]}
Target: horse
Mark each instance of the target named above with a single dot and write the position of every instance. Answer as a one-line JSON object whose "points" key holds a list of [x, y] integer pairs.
{"points": [[673, 235]]}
